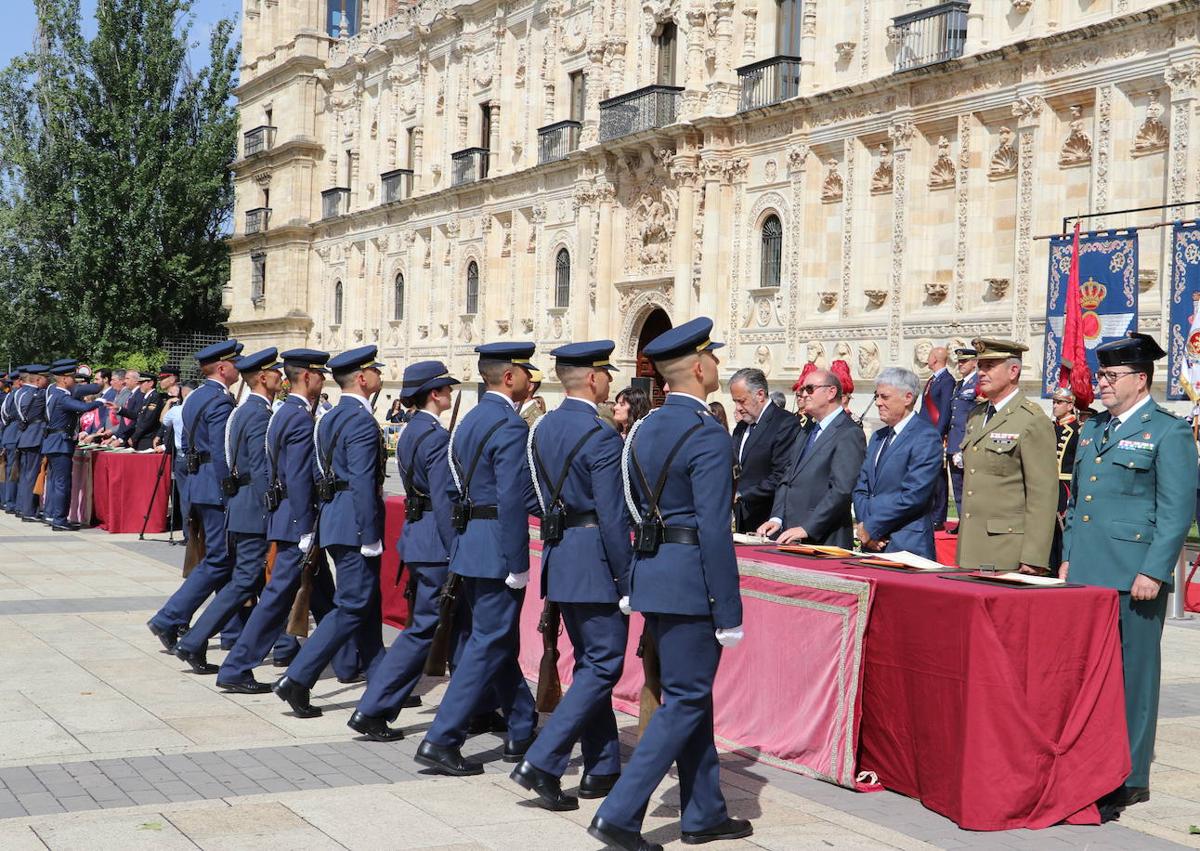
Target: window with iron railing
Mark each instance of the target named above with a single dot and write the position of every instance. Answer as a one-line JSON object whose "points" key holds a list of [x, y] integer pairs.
{"points": [[258, 279], [257, 220], [647, 108], [929, 36], [772, 252], [768, 81], [557, 140], [472, 288], [398, 298], [562, 278], [468, 165], [335, 202], [258, 140], [397, 185]]}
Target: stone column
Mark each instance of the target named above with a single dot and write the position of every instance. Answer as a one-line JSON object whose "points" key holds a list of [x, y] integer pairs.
{"points": [[605, 323], [494, 137], [1028, 111], [793, 236], [418, 140], [686, 175], [749, 35], [730, 263], [711, 168], [1102, 154], [809, 81], [723, 88], [1184, 81], [901, 134], [590, 134], [584, 202], [693, 95]]}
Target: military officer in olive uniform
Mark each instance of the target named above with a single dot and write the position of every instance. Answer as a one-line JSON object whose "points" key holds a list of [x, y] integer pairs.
{"points": [[1010, 488], [1133, 499]]}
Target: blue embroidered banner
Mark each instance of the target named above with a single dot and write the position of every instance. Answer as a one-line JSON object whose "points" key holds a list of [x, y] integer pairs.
{"points": [[1108, 294], [1185, 291]]}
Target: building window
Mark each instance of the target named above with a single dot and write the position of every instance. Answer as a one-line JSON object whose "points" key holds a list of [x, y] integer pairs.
{"points": [[485, 126], [258, 278], [787, 27], [562, 278], [342, 19], [337, 303], [472, 288], [578, 94], [410, 157], [664, 48], [772, 251], [398, 298]]}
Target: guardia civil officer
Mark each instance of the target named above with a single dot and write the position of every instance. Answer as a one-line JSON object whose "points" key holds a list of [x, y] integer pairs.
{"points": [[350, 458], [205, 413], [147, 425], [245, 491], [424, 546], [290, 509], [58, 446], [8, 438], [576, 464], [685, 583], [1133, 498], [494, 498], [31, 411]]}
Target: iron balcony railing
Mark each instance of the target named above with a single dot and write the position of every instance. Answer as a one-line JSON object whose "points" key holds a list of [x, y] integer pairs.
{"points": [[557, 140], [469, 165], [258, 140], [397, 185], [643, 109], [335, 202], [768, 81], [932, 35], [258, 220]]}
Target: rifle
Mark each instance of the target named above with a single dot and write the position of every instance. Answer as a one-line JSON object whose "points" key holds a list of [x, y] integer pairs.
{"points": [[438, 661], [410, 592], [196, 549], [651, 697], [549, 686], [298, 617]]}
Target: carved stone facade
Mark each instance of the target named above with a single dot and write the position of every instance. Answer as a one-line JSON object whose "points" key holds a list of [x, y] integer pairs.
{"points": [[909, 202]]}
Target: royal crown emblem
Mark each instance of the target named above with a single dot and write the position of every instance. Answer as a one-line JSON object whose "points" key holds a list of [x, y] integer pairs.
{"points": [[1091, 294]]}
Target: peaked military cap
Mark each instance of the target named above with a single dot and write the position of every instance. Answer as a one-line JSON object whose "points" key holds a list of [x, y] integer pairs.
{"points": [[37, 369], [71, 362], [689, 338], [15, 374], [595, 353], [965, 353], [265, 359], [514, 353], [63, 367], [224, 350], [987, 348], [164, 371], [425, 375], [151, 376], [313, 359], [352, 361], [1132, 348]]}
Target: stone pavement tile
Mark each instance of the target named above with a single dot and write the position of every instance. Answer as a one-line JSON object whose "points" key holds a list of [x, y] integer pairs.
{"points": [[483, 802], [204, 730], [545, 835], [113, 831], [22, 740], [250, 826], [391, 822], [15, 706], [93, 715], [817, 835], [19, 837], [1176, 783]]}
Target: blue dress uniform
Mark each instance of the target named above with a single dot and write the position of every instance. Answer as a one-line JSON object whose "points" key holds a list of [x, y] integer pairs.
{"points": [[424, 547], [246, 514], [492, 485], [349, 454], [8, 439], [576, 457], [31, 411], [62, 422], [289, 469], [205, 412], [1133, 498], [688, 591], [962, 402]]}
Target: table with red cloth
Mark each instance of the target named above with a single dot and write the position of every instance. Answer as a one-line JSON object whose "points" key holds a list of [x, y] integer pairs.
{"points": [[999, 708], [122, 485]]}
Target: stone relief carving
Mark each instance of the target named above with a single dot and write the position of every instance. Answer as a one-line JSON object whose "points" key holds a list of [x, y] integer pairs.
{"points": [[1153, 135], [997, 288], [936, 292], [833, 187], [942, 174], [522, 65], [815, 354], [881, 179], [1077, 149], [875, 298], [770, 171], [921, 350], [1004, 160], [827, 299], [797, 155], [868, 359], [845, 50]]}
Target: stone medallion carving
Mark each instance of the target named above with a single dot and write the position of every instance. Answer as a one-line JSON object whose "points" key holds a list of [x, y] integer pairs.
{"points": [[881, 178], [1077, 149], [868, 359], [942, 174], [1153, 135], [1004, 160]]}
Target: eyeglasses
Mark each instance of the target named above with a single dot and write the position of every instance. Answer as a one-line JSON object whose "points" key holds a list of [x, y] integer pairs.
{"points": [[807, 389], [1112, 377]]}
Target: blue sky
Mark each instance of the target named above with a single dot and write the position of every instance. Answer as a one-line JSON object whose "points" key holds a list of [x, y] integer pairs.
{"points": [[19, 23]]}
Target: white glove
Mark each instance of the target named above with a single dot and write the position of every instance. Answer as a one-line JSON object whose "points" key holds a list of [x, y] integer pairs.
{"points": [[305, 542], [730, 637], [372, 550], [958, 460], [623, 605], [517, 581]]}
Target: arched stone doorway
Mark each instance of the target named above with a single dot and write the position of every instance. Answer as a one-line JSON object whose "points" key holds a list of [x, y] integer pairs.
{"points": [[655, 323]]}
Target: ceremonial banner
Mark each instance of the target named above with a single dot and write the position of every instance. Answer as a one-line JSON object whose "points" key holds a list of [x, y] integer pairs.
{"points": [[1108, 294], [1183, 348]]}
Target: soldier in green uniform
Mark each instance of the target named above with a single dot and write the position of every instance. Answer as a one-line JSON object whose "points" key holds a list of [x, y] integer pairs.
{"points": [[1133, 497], [1010, 488]]}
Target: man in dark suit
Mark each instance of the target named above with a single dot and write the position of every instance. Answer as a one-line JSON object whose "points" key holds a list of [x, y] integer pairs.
{"points": [[935, 408], [962, 401], [762, 446], [904, 460], [813, 500]]}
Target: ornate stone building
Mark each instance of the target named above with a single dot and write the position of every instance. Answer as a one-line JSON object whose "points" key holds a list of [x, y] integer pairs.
{"points": [[827, 178]]}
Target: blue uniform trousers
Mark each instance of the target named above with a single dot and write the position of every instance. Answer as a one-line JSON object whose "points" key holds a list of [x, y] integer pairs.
{"points": [[401, 669], [27, 501], [357, 618], [58, 487], [11, 482], [1141, 648], [680, 732], [209, 575], [249, 565], [956, 479], [267, 621], [487, 665], [598, 632]]}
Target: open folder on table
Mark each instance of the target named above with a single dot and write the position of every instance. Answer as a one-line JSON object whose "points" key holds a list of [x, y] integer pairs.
{"points": [[1015, 578], [906, 559], [820, 551]]}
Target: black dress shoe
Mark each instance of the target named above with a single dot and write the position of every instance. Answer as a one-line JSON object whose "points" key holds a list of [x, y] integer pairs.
{"points": [[169, 636], [375, 729], [546, 785], [1125, 796], [57, 527], [250, 686], [446, 760], [198, 661], [31, 520], [349, 681], [488, 722], [514, 751], [276, 662], [411, 702], [228, 645], [731, 828], [596, 785], [296, 696], [627, 840]]}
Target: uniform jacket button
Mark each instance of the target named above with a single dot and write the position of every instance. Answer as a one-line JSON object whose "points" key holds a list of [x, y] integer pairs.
{"points": [[1086, 518], [1087, 498]]}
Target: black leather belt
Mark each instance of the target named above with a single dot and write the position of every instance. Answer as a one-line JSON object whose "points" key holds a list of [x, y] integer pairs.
{"points": [[340, 485], [243, 479], [424, 503], [485, 512], [681, 535], [581, 519], [203, 457]]}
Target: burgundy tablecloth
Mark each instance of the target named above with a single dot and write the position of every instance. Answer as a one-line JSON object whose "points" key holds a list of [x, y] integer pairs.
{"points": [[122, 484], [395, 607]]}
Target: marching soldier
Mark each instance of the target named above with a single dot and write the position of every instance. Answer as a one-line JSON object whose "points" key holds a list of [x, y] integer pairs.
{"points": [[62, 424], [8, 438], [685, 582], [245, 490], [31, 410], [1010, 487], [962, 401], [576, 466], [349, 457], [424, 546], [1133, 499], [494, 498]]}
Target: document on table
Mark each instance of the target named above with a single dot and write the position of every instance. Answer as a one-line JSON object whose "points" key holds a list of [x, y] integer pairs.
{"points": [[1022, 578], [743, 538], [913, 560]]}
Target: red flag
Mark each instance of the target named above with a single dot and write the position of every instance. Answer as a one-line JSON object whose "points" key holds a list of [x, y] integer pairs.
{"points": [[1073, 370]]}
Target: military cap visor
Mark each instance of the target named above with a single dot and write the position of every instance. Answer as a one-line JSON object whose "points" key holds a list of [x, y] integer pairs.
{"points": [[965, 354], [311, 359], [1131, 349], [518, 354], [258, 361], [689, 338], [224, 350], [595, 354], [354, 360], [425, 375], [65, 369], [987, 348]]}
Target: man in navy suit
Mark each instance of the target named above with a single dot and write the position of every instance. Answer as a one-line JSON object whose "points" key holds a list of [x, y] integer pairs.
{"points": [[246, 511], [31, 411], [962, 402], [204, 417], [349, 456], [585, 569], [424, 546], [62, 424], [685, 583], [494, 497], [763, 443], [8, 438], [903, 462], [935, 409]]}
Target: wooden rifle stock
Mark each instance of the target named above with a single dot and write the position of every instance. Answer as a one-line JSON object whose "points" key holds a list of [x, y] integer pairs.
{"points": [[298, 617], [438, 661], [196, 549], [410, 591], [549, 686], [651, 697]]}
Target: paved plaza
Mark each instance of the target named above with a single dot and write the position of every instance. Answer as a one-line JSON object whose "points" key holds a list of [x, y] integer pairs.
{"points": [[105, 742]]}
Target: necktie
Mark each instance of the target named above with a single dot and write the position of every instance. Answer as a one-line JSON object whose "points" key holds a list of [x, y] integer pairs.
{"points": [[929, 405], [1112, 425], [745, 440], [887, 441], [989, 413], [812, 438]]}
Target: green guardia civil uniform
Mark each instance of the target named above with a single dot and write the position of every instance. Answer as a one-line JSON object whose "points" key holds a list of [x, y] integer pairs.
{"points": [[1010, 481], [1133, 498]]}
